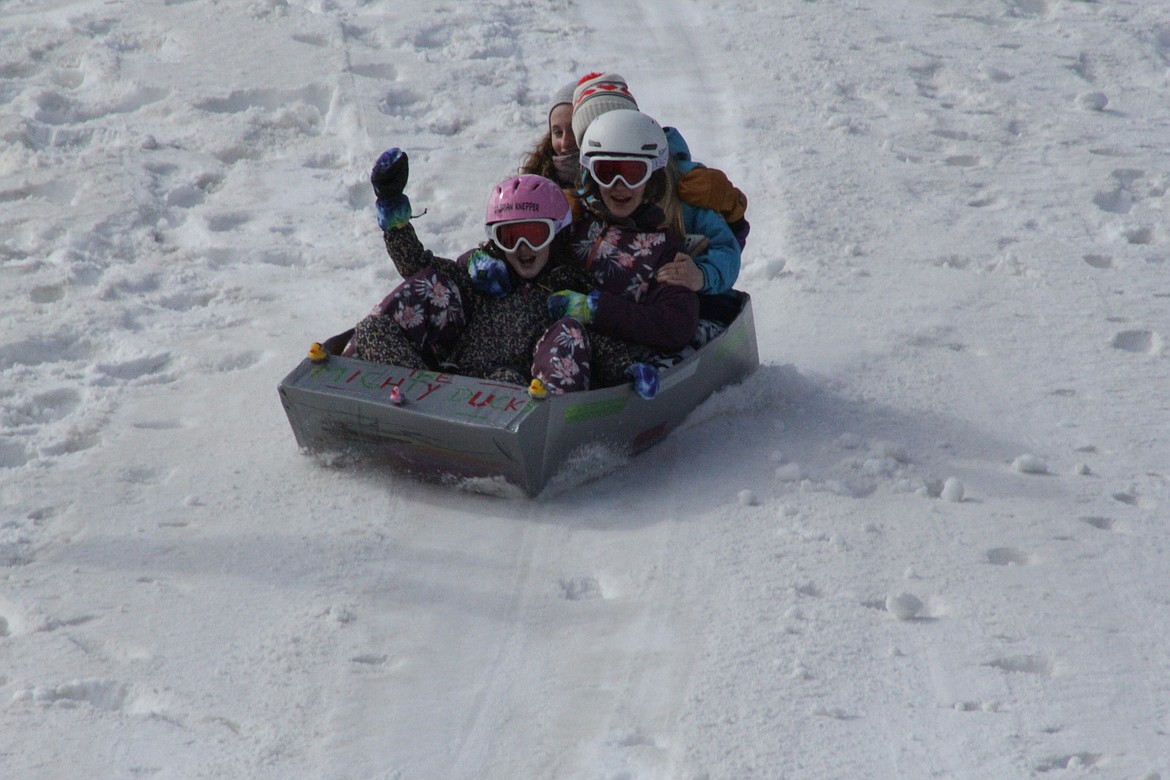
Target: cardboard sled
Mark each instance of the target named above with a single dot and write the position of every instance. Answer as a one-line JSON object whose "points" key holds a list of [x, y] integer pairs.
{"points": [[450, 427]]}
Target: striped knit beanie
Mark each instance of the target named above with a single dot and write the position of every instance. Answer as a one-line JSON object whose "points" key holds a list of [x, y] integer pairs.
{"points": [[596, 94]]}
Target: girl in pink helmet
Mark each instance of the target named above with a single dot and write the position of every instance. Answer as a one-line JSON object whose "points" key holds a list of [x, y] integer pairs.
{"points": [[483, 314]]}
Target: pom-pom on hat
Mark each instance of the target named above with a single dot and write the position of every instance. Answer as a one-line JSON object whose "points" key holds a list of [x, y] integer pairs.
{"points": [[596, 94]]}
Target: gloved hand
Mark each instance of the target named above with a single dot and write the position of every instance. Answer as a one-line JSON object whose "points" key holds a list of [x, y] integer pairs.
{"points": [[645, 378], [389, 176], [740, 228], [579, 306], [393, 213], [390, 173], [489, 275]]}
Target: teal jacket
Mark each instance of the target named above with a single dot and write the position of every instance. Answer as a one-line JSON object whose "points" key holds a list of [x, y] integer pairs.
{"points": [[720, 261]]}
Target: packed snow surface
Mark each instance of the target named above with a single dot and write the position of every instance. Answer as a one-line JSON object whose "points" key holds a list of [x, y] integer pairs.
{"points": [[927, 538]]}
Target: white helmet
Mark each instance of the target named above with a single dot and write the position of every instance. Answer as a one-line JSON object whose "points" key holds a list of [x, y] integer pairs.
{"points": [[625, 133]]}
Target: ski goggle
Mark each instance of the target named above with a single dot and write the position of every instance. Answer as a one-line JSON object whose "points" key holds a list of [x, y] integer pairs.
{"points": [[633, 171], [537, 233]]}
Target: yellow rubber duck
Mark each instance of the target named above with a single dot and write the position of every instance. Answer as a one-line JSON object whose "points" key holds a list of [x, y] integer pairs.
{"points": [[536, 388], [317, 353]]}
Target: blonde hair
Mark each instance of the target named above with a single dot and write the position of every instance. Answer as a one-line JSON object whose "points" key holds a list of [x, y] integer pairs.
{"points": [[670, 203]]}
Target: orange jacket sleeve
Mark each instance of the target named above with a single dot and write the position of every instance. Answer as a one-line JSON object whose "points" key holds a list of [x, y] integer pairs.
{"points": [[710, 188]]}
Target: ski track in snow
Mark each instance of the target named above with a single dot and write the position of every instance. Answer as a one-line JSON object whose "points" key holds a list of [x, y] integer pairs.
{"points": [[957, 261]]}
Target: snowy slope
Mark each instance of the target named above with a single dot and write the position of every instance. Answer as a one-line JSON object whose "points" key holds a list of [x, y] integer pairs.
{"points": [[927, 539]]}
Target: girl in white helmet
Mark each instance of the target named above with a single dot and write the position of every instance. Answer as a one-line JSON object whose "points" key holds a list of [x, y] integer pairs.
{"points": [[621, 240], [700, 196], [700, 202]]}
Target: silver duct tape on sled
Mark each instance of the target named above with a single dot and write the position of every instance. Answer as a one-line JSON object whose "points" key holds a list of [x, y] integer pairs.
{"points": [[447, 426]]}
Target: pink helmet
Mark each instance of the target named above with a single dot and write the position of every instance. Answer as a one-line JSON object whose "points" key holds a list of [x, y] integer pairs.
{"points": [[528, 197]]}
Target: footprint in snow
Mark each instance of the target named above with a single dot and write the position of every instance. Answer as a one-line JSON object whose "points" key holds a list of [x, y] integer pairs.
{"points": [[1129, 499], [132, 369], [399, 102], [227, 222], [44, 408], [1024, 664], [1130, 186], [836, 713], [1100, 261], [1140, 235], [381, 71], [46, 349], [144, 475], [1100, 523], [55, 624], [318, 96], [99, 692], [236, 361], [1028, 7], [159, 425], [1007, 556], [990, 202], [1139, 341], [1077, 762], [47, 293], [580, 588], [311, 39], [12, 455], [962, 161]]}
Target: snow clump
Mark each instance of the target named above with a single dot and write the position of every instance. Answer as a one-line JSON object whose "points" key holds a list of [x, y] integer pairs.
{"points": [[904, 606], [952, 490], [1030, 464]]}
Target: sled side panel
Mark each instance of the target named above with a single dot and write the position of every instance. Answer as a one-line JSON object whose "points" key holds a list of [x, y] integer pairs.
{"points": [[616, 418], [445, 425], [455, 426]]}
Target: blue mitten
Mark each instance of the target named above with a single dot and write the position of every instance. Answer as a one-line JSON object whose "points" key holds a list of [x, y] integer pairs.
{"points": [[579, 306], [489, 275], [390, 173], [393, 213], [645, 378], [389, 176]]}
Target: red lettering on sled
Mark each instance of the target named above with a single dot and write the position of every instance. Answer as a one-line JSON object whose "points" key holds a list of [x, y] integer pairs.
{"points": [[430, 389], [474, 400]]}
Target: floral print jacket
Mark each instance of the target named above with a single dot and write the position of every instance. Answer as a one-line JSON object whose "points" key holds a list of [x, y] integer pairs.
{"points": [[621, 258], [497, 331]]}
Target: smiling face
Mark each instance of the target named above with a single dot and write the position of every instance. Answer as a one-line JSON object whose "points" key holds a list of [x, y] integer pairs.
{"points": [[622, 201], [526, 261], [560, 129]]}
